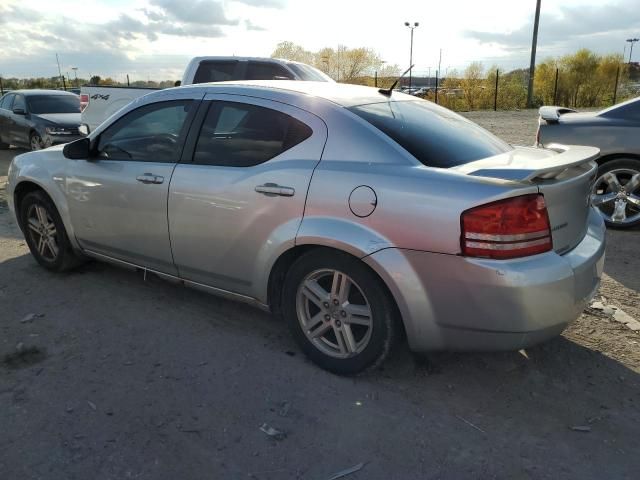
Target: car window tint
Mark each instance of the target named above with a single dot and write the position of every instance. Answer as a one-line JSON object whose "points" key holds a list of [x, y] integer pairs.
{"points": [[215, 71], [242, 135], [18, 102], [437, 137], [152, 133], [267, 71], [7, 100]]}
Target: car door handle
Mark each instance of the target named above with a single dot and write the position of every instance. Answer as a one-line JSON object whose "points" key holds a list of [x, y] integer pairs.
{"points": [[272, 189], [150, 178]]}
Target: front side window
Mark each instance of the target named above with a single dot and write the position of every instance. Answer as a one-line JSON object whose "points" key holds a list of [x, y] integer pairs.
{"points": [[435, 136], [153, 133], [243, 135], [267, 71], [18, 102], [215, 71], [53, 104]]}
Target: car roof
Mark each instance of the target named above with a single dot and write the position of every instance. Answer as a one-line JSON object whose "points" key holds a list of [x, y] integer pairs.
{"points": [[342, 94], [28, 93]]}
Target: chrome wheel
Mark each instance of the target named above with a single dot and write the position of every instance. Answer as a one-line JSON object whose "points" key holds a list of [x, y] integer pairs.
{"points": [[42, 230], [617, 195], [36, 142], [334, 313]]}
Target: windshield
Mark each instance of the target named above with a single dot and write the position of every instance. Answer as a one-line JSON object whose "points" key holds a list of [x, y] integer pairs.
{"points": [[437, 137], [53, 104], [305, 72]]}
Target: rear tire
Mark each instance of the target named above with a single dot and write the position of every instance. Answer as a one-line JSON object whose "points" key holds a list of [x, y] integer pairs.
{"points": [[620, 196], [339, 312], [45, 233]]}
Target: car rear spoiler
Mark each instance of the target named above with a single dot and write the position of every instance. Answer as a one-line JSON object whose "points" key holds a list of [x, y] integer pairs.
{"points": [[553, 114], [525, 164]]}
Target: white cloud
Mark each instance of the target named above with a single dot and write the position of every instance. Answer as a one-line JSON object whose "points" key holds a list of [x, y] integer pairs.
{"points": [[155, 38]]}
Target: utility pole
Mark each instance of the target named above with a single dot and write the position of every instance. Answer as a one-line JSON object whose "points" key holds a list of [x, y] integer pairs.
{"points": [[75, 71], [59, 70], [532, 65], [412, 27], [631, 41]]}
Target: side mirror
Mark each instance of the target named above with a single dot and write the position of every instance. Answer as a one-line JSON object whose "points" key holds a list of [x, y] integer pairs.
{"points": [[19, 111], [77, 150]]}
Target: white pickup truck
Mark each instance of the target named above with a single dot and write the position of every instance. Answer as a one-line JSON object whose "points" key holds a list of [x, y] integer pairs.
{"points": [[98, 102]]}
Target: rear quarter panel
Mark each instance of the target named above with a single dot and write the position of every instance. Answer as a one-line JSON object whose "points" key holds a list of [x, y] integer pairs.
{"points": [[611, 136]]}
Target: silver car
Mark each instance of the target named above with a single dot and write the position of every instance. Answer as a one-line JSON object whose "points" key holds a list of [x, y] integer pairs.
{"points": [[356, 214], [616, 132]]}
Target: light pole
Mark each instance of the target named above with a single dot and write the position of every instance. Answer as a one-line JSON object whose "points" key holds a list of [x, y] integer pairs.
{"points": [[532, 65], [631, 41], [411, 27], [75, 71]]}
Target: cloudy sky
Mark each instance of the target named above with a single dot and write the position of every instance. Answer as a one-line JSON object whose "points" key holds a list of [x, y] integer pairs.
{"points": [[154, 39]]}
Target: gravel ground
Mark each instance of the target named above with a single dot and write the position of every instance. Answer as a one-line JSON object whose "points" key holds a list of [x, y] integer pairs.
{"points": [[143, 379]]}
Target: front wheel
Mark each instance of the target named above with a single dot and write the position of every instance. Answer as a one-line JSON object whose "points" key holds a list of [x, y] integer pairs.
{"points": [[45, 233], [616, 193], [338, 311], [36, 142]]}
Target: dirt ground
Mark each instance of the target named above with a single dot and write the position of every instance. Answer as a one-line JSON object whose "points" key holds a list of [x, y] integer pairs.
{"points": [[121, 378]]}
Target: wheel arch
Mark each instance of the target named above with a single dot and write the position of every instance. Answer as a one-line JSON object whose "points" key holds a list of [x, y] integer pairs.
{"points": [[28, 185], [617, 156], [287, 259]]}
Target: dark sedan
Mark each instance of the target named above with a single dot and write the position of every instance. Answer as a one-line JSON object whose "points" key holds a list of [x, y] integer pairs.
{"points": [[37, 119]]}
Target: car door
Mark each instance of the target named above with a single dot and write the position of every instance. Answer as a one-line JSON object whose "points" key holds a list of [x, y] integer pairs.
{"points": [[118, 198], [19, 125], [241, 198], [5, 112]]}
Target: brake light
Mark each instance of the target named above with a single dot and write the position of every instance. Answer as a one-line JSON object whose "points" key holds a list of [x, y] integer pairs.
{"points": [[510, 228], [84, 101]]}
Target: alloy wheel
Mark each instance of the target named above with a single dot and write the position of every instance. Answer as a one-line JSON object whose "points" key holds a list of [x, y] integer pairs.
{"points": [[617, 195], [334, 313], [36, 142], [43, 232]]}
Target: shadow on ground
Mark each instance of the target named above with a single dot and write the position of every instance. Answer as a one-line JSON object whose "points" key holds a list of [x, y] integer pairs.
{"points": [[152, 380]]}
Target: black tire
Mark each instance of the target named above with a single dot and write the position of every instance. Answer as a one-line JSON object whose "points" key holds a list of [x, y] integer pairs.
{"points": [[384, 329], [65, 259], [4, 146], [34, 139], [632, 165]]}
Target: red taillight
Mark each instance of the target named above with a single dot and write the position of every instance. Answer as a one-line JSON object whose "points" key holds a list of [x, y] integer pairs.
{"points": [[510, 228], [84, 101]]}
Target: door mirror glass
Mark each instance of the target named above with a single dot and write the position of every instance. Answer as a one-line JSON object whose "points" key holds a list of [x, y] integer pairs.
{"points": [[77, 150], [19, 111]]}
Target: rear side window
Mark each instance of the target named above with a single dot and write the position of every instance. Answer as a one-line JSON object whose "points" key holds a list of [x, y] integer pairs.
{"points": [[215, 71], [267, 71], [6, 102], [243, 135], [437, 137]]}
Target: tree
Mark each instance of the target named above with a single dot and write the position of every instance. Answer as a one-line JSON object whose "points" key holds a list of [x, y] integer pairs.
{"points": [[473, 84], [95, 80], [290, 51]]}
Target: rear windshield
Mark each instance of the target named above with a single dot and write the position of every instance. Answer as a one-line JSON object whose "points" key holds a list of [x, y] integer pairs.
{"points": [[53, 104], [305, 72], [437, 137]]}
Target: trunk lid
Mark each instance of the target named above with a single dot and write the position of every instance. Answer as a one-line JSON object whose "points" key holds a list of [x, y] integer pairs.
{"points": [[563, 174]]}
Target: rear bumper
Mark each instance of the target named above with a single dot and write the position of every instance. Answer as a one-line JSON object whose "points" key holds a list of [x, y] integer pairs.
{"points": [[451, 302]]}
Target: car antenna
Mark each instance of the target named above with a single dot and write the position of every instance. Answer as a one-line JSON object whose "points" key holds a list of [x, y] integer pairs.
{"points": [[388, 91]]}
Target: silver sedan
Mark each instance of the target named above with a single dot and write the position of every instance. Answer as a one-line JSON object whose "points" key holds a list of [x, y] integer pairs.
{"points": [[355, 214], [616, 132]]}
